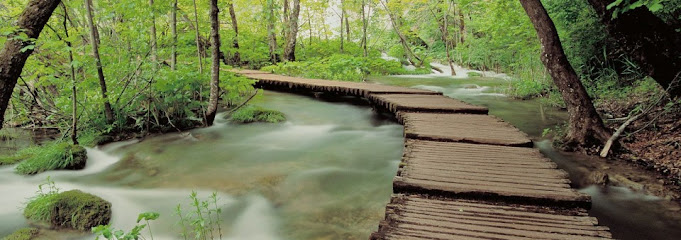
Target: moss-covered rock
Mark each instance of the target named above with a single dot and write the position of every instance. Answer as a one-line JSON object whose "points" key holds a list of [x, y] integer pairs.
{"points": [[249, 114], [79, 155], [23, 234], [72, 209], [54, 156], [102, 139]]}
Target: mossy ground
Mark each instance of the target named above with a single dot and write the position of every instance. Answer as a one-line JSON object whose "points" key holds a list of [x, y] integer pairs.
{"points": [[53, 156], [23, 234], [71, 209], [250, 113]]}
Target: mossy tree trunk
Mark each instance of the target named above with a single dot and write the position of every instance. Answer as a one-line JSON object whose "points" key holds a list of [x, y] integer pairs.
{"points": [[215, 63], [290, 49]]}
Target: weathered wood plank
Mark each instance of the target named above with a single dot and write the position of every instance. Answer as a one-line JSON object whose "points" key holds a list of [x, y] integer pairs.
{"points": [[424, 103], [416, 217], [468, 128]]}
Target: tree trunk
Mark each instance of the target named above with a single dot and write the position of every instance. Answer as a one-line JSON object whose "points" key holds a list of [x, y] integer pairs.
{"points": [[74, 95], [342, 16], [290, 49], [95, 51], [653, 44], [198, 38], [585, 126], [173, 26], [403, 39], [271, 36], [12, 57], [347, 25], [152, 33], [447, 42], [236, 56], [215, 63], [365, 22], [462, 26]]}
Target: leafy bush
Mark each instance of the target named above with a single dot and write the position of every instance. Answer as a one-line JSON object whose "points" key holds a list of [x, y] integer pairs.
{"points": [[71, 209], [53, 156], [250, 113]]}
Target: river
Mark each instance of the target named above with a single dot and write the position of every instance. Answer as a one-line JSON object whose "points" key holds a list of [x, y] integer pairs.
{"points": [[325, 173]]}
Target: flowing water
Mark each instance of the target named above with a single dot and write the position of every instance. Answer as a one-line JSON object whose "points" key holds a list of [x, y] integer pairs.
{"points": [[325, 173], [630, 214]]}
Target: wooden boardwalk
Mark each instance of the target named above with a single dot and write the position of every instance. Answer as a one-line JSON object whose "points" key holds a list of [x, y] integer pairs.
{"points": [[464, 174]]}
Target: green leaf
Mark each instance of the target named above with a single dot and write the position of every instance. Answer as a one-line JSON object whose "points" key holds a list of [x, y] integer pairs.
{"points": [[29, 47]]}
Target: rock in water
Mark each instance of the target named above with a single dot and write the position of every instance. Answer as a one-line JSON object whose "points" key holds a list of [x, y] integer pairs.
{"points": [[81, 211], [71, 209], [79, 155]]}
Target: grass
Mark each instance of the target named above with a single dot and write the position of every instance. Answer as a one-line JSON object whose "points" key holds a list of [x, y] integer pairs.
{"points": [[250, 113], [52, 156]]}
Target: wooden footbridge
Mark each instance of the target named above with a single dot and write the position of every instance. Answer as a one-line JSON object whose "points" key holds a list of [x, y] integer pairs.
{"points": [[464, 174]]}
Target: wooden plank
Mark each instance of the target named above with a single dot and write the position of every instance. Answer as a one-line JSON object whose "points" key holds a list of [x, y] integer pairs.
{"points": [[424, 103], [417, 217], [450, 169], [468, 128]]}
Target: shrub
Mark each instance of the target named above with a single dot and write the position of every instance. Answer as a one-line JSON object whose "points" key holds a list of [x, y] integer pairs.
{"points": [[249, 114], [53, 156], [71, 209]]}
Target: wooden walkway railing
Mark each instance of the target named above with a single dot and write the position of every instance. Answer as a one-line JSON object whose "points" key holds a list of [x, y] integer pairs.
{"points": [[464, 174]]}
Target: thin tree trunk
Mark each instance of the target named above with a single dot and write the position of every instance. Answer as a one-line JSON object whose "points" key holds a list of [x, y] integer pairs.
{"points": [[462, 26], [95, 51], [173, 26], [198, 38], [212, 109], [14, 54], [365, 22], [342, 16], [236, 56], [585, 125], [309, 23], [445, 32], [271, 36], [403, 39], [347, 25], [653, 44], [290, 49], [152, 32], [74, 95]]}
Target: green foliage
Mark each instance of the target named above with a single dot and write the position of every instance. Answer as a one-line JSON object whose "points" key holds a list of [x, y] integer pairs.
{"points": [[23, 234], [250, 113], [51, 156], [202, 221], [623, 6], [135, 233], [342, 67]]}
